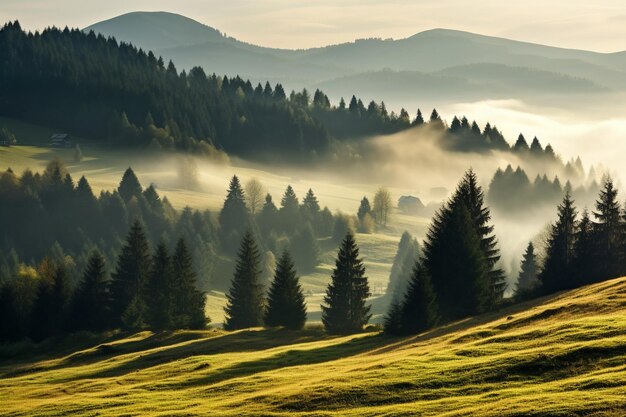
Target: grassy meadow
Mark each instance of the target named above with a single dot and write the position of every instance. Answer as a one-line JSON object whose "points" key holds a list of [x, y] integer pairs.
{"points": [[561, 355]]}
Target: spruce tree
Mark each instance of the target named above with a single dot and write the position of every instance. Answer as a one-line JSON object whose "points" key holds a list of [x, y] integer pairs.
{"points": [[285, 301], [268, 217], [91, 302], [130, 277], [234, 217], [456, 263], [556, 272], [345, 310], [129, 186], [305, 249], [527, 280], [49, 314], [418, 311], [402, 267], [289, 211], [608, 233], [584, 257], [159, 290], [472, 196], [188, 301], [244, 308], [311, 210], [364, 208], [419, 119], [392, 324]]}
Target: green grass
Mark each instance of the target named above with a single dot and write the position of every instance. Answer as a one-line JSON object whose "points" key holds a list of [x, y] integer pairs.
{"points": [[562, 355]]}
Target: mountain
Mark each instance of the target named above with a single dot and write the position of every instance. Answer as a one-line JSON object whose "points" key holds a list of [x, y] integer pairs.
{"points": [[446, 63]]}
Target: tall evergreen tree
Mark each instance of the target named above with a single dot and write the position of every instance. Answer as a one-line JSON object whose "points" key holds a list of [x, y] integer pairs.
{"points": [[345, 310], [473, 197], [402, 267], [311, 209], [418, 311], [130, 277], [234, 217], [129, 186], [419, 119], [455, 261], [364, 208], [556, 272], [159, 290], [49, 314], [244, 308], [584, 252], [527, 280], [285, 301], [91, 302], [268, 217], [608, 233], [289, 211], [188, 301]]}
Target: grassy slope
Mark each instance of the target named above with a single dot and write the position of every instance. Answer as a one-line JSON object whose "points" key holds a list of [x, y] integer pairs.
{"points": [[563, 355]]}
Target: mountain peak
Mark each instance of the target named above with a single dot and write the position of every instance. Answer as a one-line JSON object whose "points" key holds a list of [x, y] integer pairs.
{"points": [[156, 30]]}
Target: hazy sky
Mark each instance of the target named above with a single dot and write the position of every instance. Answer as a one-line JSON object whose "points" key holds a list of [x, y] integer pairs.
{"points": [[597, 25]]}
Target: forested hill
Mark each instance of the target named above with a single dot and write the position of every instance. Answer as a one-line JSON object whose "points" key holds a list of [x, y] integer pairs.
{"points": [[113, 92]]}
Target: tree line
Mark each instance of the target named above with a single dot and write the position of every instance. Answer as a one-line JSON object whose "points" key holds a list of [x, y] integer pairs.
{"points": [[155, 291], [581, 248]]}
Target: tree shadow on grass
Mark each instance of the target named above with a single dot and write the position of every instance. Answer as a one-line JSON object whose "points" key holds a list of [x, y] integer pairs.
{"points": [[242, 341]]}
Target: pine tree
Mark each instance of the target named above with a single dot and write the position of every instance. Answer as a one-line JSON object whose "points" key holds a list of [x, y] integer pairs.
{"points": [[418, 311], [527, 279], [268, 217], [402, 267], [305, 249], [311, 209], [91, 302], [159, 290], [455, 262], [608, 233], [584, 257], [392, 324], [285, 301], [289, 211], [472, 195], [345, 310], [188, 301], [244, 308], [364, 208], [556, 272], [129, 186], [49, 314], [234, 217], [130, 277], [419, 119]]}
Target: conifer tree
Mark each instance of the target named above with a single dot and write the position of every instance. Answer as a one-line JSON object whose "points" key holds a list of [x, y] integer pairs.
{"points": [[419, 119], [584, 257], [268, 217], [129, 186], [305, 249], [49, 314], [130, 277], [234, 217], [556, 272], [402, 267], [345, 310], [244, 308], [289, 211], [527, 280], [392, 324], [91, 302], [159, 290], [455, 262], [364, 208], [285, 301], [472, 195], [418, 311], [311, 209], [188, 301], [608, 233]]}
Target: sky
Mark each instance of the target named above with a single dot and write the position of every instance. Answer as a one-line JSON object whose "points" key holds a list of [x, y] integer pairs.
{"points": [[598, 25]]}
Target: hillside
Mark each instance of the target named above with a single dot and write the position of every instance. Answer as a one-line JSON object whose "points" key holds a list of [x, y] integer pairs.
{"points": [[562, 355], [191, 43]]}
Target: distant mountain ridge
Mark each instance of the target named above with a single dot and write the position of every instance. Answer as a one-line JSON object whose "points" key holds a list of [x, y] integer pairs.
{"points": [[509, 68]]}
